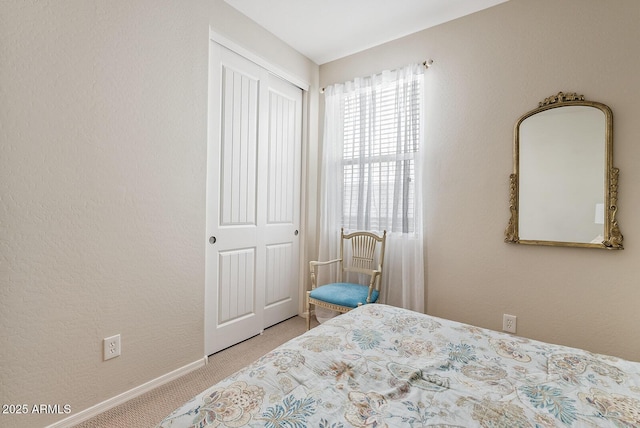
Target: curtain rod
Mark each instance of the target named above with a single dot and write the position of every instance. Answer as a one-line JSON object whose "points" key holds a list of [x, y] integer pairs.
{"points": [[428, 63]]}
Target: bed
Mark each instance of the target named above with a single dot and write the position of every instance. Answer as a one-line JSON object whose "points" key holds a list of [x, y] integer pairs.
{"points": [[382, 366]]}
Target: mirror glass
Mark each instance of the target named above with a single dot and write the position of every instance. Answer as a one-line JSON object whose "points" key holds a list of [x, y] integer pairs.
{"points": [[562, 175], [564, 188]]}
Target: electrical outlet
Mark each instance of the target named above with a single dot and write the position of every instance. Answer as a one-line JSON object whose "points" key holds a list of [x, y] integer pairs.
{"points": [[509, 323], [111, 347]]}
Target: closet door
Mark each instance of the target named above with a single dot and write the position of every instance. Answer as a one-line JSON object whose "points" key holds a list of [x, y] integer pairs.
{"points": [[252, 207], [282, 207]]}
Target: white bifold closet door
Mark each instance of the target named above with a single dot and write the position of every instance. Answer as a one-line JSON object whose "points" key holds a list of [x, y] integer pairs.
{"points": [[253, 200]]}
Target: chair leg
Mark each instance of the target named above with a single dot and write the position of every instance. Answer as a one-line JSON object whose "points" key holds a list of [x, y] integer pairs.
{"points": [[308, 313]]}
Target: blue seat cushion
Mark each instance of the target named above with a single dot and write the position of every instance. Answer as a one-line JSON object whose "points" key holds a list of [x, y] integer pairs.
{"points": [[344, 294]]}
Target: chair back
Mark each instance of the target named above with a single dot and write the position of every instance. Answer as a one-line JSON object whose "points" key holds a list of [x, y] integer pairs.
{"points": [[362, 253]]}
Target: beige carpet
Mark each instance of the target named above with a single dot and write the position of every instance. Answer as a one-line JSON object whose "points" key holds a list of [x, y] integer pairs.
{"points": [[150, 408]]}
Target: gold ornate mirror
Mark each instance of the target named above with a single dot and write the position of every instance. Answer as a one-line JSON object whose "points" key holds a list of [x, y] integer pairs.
{"points": [[564, 188]]}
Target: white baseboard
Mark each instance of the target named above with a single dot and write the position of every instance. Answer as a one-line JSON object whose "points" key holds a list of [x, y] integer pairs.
{"points": [[128, 395]]}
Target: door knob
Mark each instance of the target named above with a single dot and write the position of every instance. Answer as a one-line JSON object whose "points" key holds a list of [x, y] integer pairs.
{"points": [[212, 240], [296, 232]]}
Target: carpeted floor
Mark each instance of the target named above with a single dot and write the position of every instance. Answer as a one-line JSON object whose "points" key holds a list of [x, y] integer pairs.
{"points": [[150, 408]]}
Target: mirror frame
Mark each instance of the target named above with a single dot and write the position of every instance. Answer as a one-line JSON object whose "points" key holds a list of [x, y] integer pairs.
{"points": [[612, 236]]}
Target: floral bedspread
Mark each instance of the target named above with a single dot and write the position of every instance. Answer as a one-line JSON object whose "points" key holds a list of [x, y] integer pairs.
{"points": [[381, 366]]}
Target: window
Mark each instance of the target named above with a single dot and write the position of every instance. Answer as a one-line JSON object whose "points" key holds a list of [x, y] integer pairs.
{"points": [[372, 171], [381, 134]]}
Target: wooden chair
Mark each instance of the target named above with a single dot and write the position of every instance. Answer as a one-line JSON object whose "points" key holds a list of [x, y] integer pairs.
{"points": [[366, 257]]}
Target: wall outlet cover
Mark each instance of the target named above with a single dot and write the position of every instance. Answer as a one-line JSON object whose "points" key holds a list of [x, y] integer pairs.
{"points": [[509, 323], [111, 347]]}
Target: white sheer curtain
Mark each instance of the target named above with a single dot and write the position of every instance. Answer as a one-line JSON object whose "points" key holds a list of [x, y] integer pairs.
{"points": [[371, 174]]}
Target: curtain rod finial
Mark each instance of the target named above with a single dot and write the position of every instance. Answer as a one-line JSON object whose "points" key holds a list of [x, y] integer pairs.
{"points": [[428, 63]]}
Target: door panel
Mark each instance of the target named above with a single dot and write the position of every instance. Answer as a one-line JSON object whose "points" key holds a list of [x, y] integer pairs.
{"points": [[282, 155], [239, 147], [283, 204], [233, 254], [278, 256], [236, 284], [253, 200]]}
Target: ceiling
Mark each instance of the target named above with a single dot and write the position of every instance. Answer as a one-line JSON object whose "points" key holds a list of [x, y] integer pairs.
{"points": [[325, 30]]}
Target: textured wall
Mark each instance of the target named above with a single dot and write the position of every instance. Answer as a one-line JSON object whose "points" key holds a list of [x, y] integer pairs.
{"points": [[103, 124], [490, 68]]}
